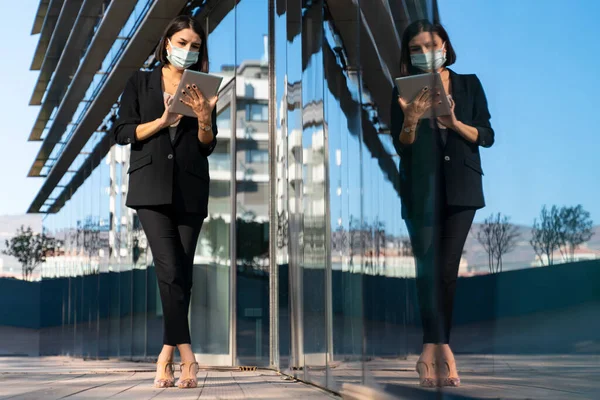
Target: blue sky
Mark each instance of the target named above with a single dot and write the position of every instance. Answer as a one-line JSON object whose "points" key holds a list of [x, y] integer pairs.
{"points": [[16, 154], [535, 58], [537, 62]]}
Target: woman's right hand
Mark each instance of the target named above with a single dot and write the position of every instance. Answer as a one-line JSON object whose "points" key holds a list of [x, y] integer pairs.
{"points": [[169, 118], [414, 110]]}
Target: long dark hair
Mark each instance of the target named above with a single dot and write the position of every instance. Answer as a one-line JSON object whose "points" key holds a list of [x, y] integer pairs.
{"points": [[417, 27], [180, 23]]}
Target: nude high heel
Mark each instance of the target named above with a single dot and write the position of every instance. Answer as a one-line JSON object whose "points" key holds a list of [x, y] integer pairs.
{"points": [[189, 383], [426, 373], [167, 368]]}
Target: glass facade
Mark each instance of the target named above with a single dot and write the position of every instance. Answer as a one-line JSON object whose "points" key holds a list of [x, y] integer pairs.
{"points": [[304, 263]]}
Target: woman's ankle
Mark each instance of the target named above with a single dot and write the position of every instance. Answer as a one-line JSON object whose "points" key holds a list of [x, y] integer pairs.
{"points": [[166, 354], [186, 353], [445, 352], [428, 352]]}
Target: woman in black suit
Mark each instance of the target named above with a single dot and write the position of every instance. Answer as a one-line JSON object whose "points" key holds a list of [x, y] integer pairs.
{"points": [[169, 179], [440, 183]]}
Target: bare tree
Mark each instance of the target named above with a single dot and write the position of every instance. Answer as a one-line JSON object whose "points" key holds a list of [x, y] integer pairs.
{"points": [[31, 249], [576, 229], [406, 248], [498, 236], [379, 237], [88, 239], [546, 234]]}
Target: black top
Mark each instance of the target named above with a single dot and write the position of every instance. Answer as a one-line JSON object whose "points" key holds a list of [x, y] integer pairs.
{"points": [[429, 165], [162, 172]]}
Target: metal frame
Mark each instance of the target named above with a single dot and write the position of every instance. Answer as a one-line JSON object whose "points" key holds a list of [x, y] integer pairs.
{"points": [[51, 15], [273, 265], [233, 223]]}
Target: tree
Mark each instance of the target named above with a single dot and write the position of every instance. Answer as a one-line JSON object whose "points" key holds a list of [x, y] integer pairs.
{"points": [[31, 249], [88, 239], [576, 229], [253, 242], [216, 232], [380, 241], [546, 234], [498, 237], [406, 248], [282, 230]]}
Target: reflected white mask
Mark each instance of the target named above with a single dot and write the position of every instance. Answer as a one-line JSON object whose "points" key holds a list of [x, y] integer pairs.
{"points": [[430, 61]]}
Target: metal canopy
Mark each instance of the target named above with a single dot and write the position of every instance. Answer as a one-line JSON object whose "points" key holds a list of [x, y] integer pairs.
{"points": [[106, 34], [66, 66], [62, 30], [140, 45], [50, 19], [40, 16]]}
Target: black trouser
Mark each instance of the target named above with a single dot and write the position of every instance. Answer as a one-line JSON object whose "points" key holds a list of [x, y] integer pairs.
{"points": [[437, 245], [173, 236]]}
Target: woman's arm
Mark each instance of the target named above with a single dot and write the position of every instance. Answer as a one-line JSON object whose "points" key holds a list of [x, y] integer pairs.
{"points": [[481, 131], [124, 129], [467, 131], [144, 131], [481, 117], [401, 136], [208, 140]]}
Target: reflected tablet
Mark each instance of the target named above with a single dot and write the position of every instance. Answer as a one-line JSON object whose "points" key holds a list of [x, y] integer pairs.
{"points": [[410, 86], [207, 84]]}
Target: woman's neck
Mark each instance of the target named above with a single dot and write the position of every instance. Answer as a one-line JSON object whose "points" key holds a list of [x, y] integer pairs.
{"points": [[174, 72]]}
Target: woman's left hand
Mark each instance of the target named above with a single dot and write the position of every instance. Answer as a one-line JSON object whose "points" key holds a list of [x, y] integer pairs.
{"points": [[202, 107], [449, 121]]}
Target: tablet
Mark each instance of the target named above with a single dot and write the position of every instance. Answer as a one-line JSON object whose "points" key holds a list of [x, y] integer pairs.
{"points": [[410, 86], [207, 84]]}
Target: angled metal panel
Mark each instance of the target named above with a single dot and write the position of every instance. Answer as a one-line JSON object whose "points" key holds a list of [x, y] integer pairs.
{"points": [[50, 19], [40, 16], [66, 67], [114, 19], [142, 44], [62, 30]]}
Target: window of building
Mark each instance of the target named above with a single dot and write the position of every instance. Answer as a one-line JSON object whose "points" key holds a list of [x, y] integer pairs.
{"points": [[257, 156], [224, 119], [257, 112]]}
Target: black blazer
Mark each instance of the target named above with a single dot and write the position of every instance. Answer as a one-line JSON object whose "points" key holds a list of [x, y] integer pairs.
{"points": [[423, 162], [162, 172]]}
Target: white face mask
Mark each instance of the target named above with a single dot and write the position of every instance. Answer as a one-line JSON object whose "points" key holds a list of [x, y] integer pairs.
{"points": [[181, 58], [430, 61]]}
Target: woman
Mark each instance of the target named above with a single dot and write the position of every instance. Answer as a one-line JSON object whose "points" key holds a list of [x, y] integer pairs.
{"points": [[440, 183], [168, 179]]}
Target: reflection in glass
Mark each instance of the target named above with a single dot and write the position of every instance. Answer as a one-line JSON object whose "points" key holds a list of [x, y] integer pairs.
{"points": [[210, 305], [252, 183]]}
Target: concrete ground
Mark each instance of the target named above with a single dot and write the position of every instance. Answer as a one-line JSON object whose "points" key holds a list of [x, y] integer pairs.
{"points": [[558, 377], [484, 377], [61, 377]]}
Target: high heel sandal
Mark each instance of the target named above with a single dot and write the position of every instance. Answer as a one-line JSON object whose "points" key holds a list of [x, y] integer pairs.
{"points": [[425, 371], [448, 380], [189, 383], [167, 368]]}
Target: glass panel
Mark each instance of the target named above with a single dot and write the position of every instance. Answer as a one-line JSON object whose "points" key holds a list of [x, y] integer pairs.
{"points": [[350, 227], [210, 305], [316, 268], [252, 183], [282, 254]]}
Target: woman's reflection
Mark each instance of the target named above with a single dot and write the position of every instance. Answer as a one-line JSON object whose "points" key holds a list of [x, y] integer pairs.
{"points": [[441, 184]]}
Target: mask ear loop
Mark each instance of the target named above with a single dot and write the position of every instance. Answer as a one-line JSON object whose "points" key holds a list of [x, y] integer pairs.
{"points": [[171, 45]]}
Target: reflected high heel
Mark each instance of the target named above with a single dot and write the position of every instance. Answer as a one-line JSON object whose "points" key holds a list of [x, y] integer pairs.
{"points": [[167, 369], [446, 378], [426, 374], [189, 383]]}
